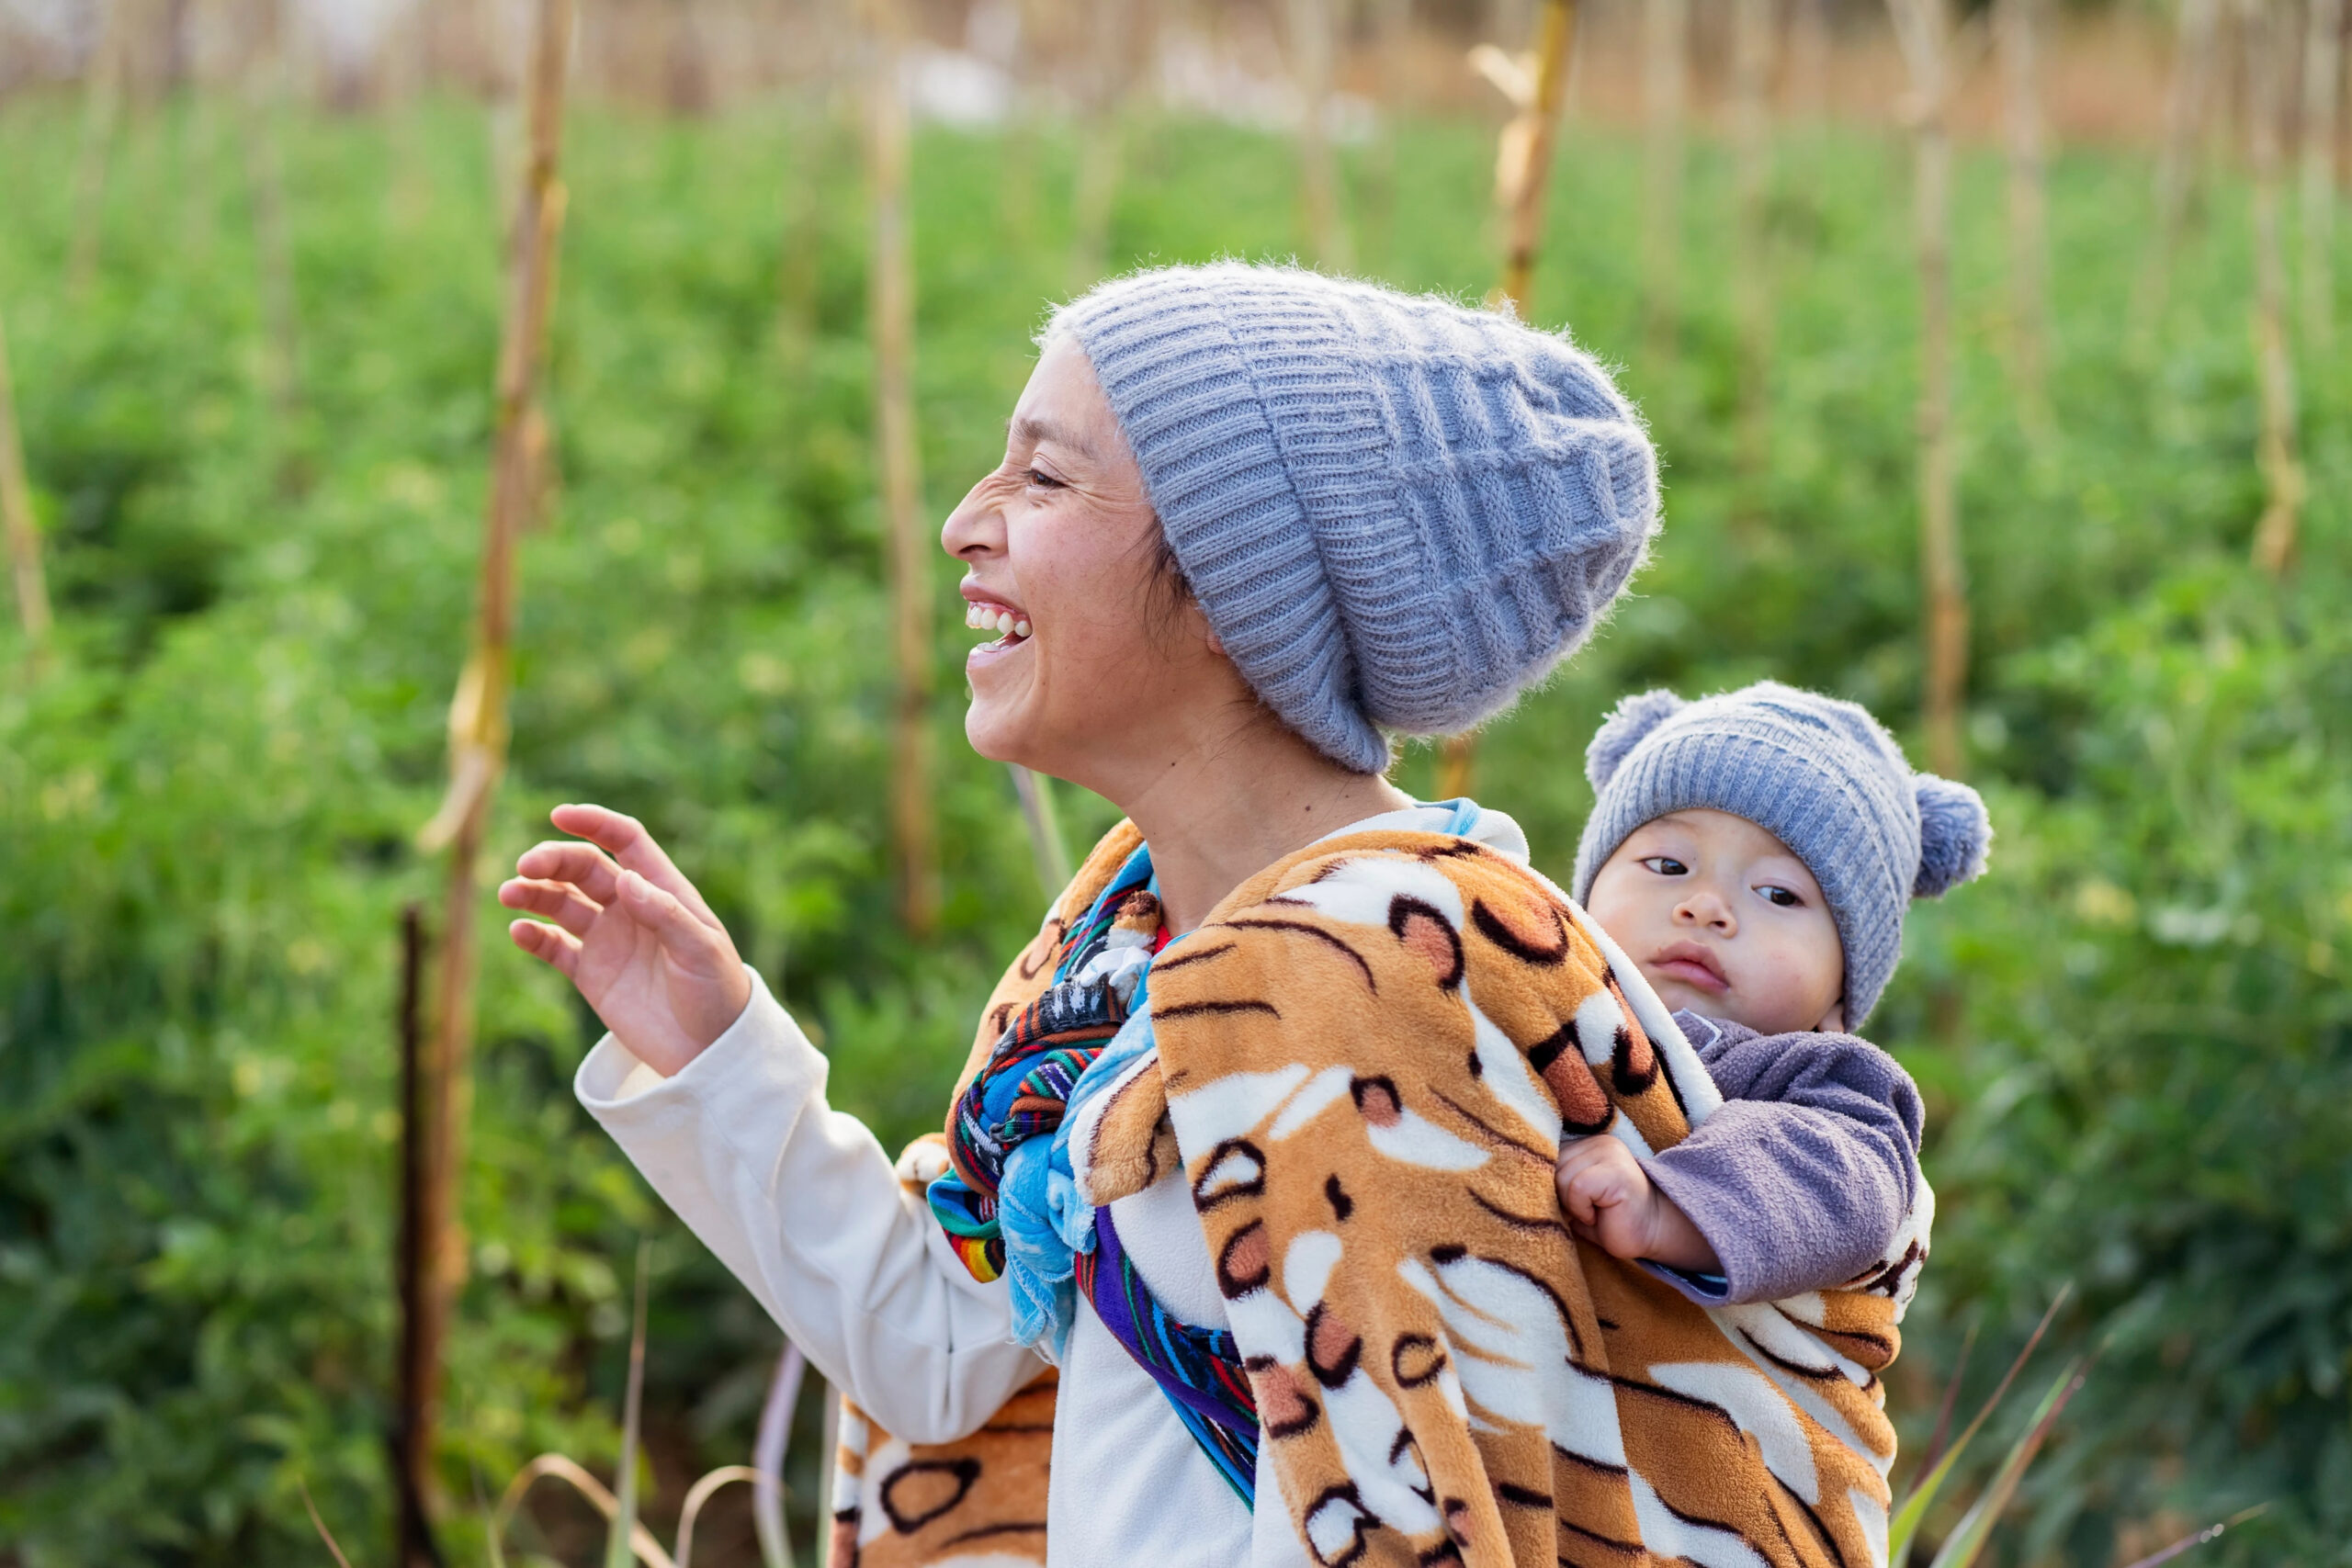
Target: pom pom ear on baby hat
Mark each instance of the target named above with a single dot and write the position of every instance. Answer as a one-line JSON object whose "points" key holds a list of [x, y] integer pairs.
{"points": [[1627, 726], [1954, 834]]}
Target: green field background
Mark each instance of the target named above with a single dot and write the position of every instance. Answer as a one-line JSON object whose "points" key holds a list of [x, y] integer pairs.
{"points": [[2133, 1035]]}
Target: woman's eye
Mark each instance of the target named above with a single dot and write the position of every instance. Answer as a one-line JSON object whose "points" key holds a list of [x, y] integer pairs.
{"points": [[1781, 896], [1042, 479], [1667, 865]]}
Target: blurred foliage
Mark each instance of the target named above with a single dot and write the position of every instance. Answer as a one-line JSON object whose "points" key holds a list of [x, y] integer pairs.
{"points": [[2133, 1035]]}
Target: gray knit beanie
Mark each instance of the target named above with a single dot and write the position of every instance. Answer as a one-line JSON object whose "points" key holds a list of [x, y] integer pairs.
{"points": [[1397, 513], [1821, 775]]}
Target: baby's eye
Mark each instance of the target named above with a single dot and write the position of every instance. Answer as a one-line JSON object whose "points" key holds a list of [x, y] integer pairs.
{"points": [[1666, 866], [1780, 895]]}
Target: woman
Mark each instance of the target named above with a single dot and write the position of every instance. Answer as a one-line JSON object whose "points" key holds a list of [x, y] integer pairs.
{"points": [[1247, 520]]}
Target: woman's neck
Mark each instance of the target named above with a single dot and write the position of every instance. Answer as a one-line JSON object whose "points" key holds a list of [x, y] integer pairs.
{"points": [[1218, 814]]}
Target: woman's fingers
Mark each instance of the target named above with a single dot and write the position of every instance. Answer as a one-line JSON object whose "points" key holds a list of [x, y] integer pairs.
{"points": [[562, 902], [584, 866], [560, 949], [625, 839], [681, 933]]}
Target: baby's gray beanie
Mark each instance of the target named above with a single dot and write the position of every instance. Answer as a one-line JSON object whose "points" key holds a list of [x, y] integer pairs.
{"points": [[1822, 776], [1397, 513]]}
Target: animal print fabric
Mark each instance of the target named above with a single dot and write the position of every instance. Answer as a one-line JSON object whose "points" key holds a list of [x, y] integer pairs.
{"points": [[1368, 1056]]}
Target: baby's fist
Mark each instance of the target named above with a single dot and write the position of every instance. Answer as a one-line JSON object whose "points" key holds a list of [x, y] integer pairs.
{"points": [[1611, 1201]]}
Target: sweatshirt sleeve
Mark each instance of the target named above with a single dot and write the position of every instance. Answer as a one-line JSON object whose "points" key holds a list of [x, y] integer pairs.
{"points": [[800, 1201], [1802, 1178]]}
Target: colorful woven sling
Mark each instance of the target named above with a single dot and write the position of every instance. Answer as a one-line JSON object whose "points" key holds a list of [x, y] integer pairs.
{"points": [[1022, 1093], [1024, 1089]]}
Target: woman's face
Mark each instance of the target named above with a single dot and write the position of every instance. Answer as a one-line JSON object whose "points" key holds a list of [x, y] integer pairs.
{"points": [[1090, 664]]}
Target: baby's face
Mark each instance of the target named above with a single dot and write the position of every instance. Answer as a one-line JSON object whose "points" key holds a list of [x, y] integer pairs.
{"points": [[1723, 921]]}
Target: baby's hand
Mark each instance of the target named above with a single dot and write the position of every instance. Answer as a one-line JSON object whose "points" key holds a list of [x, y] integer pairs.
{"points": [[1611, 1203]]}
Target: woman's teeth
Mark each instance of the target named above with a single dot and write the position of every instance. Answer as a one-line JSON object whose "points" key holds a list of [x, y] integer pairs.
{"points": [[998, 619]]}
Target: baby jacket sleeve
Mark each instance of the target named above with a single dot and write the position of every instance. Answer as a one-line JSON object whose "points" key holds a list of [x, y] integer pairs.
{"points": [[1802, 1179]]}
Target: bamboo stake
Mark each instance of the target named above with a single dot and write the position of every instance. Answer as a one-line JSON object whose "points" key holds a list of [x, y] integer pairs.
{"points": [[2282, 474], [1101, 143], [893, 326], [1521, 186], [1047, 845], [1391, 20], [1751, 138], [2016, 24], [101, 108], [414, 1268], [477, 722], [1809, 61], [2323, 79], [1923, 28], [17, 510], [266, 178], [1523, 169], [1311, 50], [1666, 75], [2185, 112]]}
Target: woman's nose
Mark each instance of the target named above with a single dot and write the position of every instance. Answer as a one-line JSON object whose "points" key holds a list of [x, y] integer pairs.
{"points": [[976, 528]]}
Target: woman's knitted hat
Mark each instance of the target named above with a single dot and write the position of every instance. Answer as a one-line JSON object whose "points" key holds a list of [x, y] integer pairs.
{"points": [[1397, 514], [1822, 776]]}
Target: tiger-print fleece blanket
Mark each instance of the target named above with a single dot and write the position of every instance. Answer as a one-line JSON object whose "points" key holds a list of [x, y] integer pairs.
{"points": [[1443, 1372]]}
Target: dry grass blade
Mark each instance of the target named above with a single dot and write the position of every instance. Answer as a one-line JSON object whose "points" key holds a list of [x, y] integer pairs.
{"points": [[2190, 1542], [1950, 1403], [319, 1525], [1967, 1541], [564, 1469], [767, 1458], [699, 1493], [617, 1545], [1905, 1523]]}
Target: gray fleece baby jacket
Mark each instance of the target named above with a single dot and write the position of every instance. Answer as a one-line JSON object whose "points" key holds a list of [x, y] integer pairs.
{"points": [[1801, 1180]]}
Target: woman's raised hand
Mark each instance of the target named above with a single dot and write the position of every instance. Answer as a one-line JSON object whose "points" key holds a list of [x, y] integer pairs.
{"points": [[631, 933]]}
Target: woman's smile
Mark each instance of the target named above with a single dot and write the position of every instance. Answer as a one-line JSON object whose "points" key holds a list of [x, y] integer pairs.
{"points": [[1011, 625]]}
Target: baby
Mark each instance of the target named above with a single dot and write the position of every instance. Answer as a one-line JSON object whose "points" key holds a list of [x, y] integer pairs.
{"points": [[1753, 853]]}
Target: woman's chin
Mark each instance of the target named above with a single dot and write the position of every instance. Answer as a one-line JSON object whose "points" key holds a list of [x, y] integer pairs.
{"points": [[993, 733]]}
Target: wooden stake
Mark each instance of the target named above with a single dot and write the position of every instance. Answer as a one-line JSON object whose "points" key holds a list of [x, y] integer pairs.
{"points": [[101, 108], [1391, 21], [2282, 474], [477, 722], [2015, 27], [2322, 80], [16, 513], [892, 303], [1045, 843], [2185, 112], [1752, 56], [265, 177], [1809, 63], [1523, 169], [1101, 147], [1923, 28], [1311, 52], [1524, 183], [417, 1398], [1666, 76]]}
